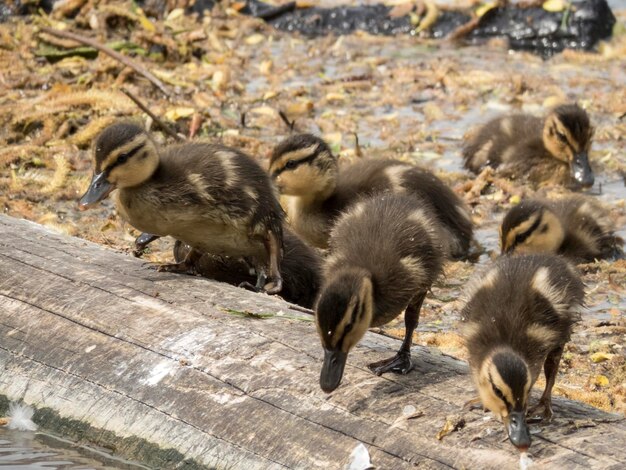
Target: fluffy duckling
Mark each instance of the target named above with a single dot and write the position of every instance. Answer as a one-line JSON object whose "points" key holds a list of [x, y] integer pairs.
{"points": [[540, 150], [304, 168], [577, 227], [211, 197], [385, 256], [301, 269], [518, 317]]}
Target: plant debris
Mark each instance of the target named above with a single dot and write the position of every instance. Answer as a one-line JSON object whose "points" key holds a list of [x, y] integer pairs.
{"points": [[452, 424], [405, 97]]}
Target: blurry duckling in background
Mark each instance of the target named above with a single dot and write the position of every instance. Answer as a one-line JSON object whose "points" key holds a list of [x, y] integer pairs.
{"points": [[301, 269], [521, 146], [577, 227], [303, 167], [386, 254], [518, 317], [214, 198]]}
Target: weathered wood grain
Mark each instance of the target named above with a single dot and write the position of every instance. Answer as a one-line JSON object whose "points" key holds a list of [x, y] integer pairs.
{"points": [[103, 339]]}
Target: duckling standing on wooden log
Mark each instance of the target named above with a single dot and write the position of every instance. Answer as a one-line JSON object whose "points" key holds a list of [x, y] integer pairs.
{"points": [[211, 197], [518, 317], [554, 149], [577, 227], [304, 167], [386, 254], [301, 269]]}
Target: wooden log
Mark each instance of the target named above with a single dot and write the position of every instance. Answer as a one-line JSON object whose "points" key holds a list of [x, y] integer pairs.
{"points": [[159, 367]]}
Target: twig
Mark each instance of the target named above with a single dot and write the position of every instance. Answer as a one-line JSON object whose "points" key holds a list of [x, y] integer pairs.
{"points": [[283, 116], [298, 308], [167, 129], [462, 31], [110, 52], [196, 122], [357, 146]]}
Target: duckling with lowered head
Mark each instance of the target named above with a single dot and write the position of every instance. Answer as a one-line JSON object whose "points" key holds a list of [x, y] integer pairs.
{"points": [[518, 317], [301, 269], [386, 254], [554, 149], [577, 227], [214, 198], [304, 168]]}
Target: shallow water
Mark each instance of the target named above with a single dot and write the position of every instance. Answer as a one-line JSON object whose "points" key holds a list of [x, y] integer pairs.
{"points": [[21, 450]]}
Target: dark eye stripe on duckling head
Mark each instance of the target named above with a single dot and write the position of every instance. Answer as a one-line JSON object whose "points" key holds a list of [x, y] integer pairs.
{"points": [[292, 160], [119, 158], [499, 393], [115, 137], [523, 235], [576, 121], [514, 374]]}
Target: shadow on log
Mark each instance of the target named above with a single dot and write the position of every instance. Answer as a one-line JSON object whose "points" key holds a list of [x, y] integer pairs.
{"points": [[171, 370]]}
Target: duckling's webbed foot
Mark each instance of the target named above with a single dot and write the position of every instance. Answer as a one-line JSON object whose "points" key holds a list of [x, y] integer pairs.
{"points": [[273, 245], [142, 241], [550, 369], [186, 266], [542, 411], [260, 282], [473, 404], [401, 362]]}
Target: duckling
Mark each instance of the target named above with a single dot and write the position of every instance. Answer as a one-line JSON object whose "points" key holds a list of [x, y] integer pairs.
{"points": [[518, 317], [386, 253], [301, 269], [577, 227], [214, 198], [304, 168], [538, 150]]}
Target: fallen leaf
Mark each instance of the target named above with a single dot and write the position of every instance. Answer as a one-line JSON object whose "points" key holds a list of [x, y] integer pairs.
{"points": [[301, 108], [254, 39], [175, 114], [555, 6], [600, 357], [335, 97], [4, 421], [452, 424], [174, 14], [265, 67], [485, 7], [601, 380]]}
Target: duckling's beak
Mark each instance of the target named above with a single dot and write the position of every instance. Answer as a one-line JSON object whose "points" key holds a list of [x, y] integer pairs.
{"points": [[581, 171], [332, 370], [518, 430], [99, 188]]}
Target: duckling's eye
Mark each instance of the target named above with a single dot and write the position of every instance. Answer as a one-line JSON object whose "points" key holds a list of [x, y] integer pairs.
{"points": [[291, 164], [499, 393], [561, 137], [122, 158]]}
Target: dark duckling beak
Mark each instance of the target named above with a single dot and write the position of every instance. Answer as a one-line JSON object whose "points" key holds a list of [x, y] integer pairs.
{"points": [[581, 171], [98, 190], [332, 370], [517, 428]]}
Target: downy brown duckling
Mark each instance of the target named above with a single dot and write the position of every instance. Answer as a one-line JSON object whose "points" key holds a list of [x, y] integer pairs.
{"points": [[214, 198], [518, 317], [304, 168], [301, 269], [577, 227], [554, 149], [386, 254]]}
